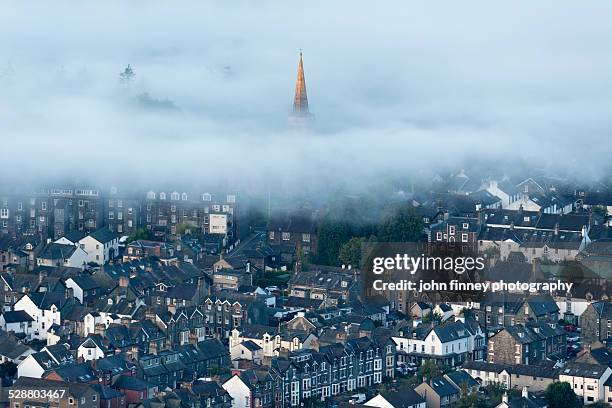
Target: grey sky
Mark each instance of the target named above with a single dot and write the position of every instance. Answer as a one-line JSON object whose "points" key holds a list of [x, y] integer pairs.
{"points": [[394, 87]]}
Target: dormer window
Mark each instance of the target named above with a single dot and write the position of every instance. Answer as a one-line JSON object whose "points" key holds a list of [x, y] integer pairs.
{"points": [[174, 196], [206, 197], [162, 196], [466, 225], [151, 195], [184, 196]]}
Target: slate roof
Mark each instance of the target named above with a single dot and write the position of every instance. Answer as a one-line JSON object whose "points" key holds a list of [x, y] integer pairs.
{"points": [[460, 377], [126, 382], [183, 292], [403, 398], [583, 370], [86, 282], [17, 316], [81, 373], [442, 387], [74, 236], [250, 345], [57, 251], [103, 235], [105, 392], [75, 389]]}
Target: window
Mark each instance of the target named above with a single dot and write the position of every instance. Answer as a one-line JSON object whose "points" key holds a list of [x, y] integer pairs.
{"points": [[206, 197], [162, 196], [271, 235], [439, 236], [305, 237], [4, 213], [466, 225], [451, 229], [43, 205], [464, 237], [174, 196], [286, 236], [184, 196]]}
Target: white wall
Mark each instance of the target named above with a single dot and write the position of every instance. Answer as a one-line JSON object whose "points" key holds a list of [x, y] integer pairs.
{"points": [[29, 368], [76, 289], [43, 319], [238, 390], [88, 353]]}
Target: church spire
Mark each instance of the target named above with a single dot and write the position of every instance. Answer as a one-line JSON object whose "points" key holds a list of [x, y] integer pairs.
{"points": [[300, 102]]}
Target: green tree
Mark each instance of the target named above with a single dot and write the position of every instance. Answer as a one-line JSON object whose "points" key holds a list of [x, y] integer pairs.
{"points": [[429, 369], [401, 226], [140, 233], [332, 234], [350, 252], [432, 317], [561, 395], [472, 400]]}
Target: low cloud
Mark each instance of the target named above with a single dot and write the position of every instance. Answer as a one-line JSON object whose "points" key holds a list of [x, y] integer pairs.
{"points": [[397, 90]]}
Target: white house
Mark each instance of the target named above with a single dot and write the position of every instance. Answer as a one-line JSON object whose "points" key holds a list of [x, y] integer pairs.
{"points": [[44, 308], [447, 344], [18, 322], [239, 391], [247, 350], [406, 398], [54, 254], [92, 319], [71, 238], [91, 349], [272, 341], [587, 380], [101, 246], [48, 358]]}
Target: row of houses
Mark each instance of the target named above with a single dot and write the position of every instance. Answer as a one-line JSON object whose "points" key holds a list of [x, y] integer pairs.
{"points": [[53, 212]]}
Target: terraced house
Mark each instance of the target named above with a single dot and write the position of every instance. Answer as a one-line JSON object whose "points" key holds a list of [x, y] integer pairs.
{"points": [[334, 369], [447, 344], [527, 344]]}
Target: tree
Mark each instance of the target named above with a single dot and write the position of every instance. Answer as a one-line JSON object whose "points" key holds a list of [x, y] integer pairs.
{"points": [[429, 369], [432, 317], [472, 400], [127, 75], [140, 233], [332, 234], [561, 395], [402, 226], [350, 252]]}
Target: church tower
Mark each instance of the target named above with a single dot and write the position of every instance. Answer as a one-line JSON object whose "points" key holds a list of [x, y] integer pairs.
{"points": [[300, 112]]}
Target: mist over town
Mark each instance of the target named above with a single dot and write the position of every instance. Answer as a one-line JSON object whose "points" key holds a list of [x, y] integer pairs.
{"points": [[191, 194]]}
